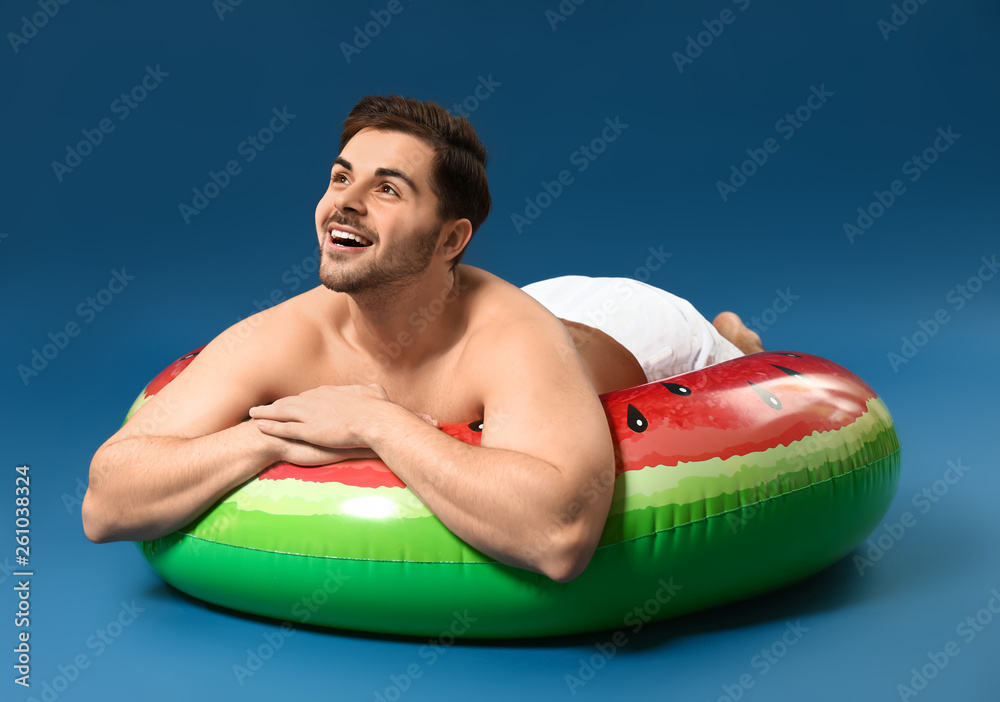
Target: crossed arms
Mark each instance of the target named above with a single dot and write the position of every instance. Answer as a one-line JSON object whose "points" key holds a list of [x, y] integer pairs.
{"points": [[519, 497]]}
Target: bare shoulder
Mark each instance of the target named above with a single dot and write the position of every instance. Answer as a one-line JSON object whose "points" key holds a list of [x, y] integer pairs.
{"points": [[537, 395], [503, 319], [241, 367], [499, 308], [509, 316]]}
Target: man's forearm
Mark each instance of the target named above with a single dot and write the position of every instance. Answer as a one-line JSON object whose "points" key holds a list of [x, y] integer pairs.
{"points": [[146, 487], [511, 506]]}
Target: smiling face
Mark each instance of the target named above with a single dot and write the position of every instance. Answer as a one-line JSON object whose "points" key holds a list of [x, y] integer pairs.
{"points": [[378, 223]]}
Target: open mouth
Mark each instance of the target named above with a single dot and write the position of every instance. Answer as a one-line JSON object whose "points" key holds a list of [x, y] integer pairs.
{"points": [[340, 237]]}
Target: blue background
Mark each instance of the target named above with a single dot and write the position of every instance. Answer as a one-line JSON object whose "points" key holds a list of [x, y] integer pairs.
{"points": [[655, 186]]}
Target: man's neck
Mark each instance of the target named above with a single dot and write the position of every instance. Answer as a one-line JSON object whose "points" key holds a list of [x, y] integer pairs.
{"points": [[408, 323]]}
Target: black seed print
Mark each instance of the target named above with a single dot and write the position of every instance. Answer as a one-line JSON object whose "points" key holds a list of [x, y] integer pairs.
{"points": [[636, 422], [769, 399], [677, 389]]}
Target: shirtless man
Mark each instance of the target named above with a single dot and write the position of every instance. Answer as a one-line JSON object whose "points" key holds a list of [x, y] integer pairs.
{"points": [[350, 369]]}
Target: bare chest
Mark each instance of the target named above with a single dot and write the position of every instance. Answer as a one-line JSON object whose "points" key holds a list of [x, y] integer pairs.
{"points": [[445, 396], [440, 389]]}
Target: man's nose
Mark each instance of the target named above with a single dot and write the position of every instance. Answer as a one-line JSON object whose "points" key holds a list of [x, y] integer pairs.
{"points": [[350, 198]]}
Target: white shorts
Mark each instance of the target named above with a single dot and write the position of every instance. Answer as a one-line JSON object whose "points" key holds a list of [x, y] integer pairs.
{"points": [[665, 333]]}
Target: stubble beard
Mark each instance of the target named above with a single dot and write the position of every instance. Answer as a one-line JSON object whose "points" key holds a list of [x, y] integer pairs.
{"points": [[377, 279]]}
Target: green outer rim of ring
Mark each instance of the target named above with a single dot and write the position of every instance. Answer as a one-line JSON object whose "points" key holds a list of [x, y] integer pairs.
{"points": [[741, 551], [710, 562]]}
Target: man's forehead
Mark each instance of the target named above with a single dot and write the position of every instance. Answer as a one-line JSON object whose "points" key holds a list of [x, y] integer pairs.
{"points": [[371, 149]]}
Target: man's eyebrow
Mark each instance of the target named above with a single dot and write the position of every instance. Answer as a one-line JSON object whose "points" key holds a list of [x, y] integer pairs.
{"points": [[393, 173], [380, 173]]}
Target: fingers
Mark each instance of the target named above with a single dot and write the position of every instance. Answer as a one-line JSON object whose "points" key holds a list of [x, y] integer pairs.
{"points": [[279, 411], [302, 453], [285, 430], [427, 418]]}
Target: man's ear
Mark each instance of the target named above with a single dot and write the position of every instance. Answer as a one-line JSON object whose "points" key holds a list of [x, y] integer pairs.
{"points": [[455, 237]]}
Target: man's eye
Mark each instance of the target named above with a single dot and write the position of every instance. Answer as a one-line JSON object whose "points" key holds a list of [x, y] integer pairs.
{"points": [[338, 178], [385, 187]]}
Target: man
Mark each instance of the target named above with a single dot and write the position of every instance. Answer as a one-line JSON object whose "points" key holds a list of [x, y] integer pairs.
{"points": [[398, 337]]}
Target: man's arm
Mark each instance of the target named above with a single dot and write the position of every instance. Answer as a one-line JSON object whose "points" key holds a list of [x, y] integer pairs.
{"points": [[143, 487], [188, 446], [535, 495]]}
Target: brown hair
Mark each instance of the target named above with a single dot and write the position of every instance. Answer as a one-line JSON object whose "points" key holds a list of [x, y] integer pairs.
{"points": [[458, 172]]}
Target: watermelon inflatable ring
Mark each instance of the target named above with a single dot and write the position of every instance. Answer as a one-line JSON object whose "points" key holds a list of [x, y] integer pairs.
{"points": [[730, 481]]}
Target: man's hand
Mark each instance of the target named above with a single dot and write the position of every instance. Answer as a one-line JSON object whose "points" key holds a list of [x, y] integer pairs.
{"points": [[303, 453], [325, 424]]}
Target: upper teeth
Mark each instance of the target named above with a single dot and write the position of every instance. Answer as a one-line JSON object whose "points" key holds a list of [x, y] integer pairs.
{"points": [[348, 235]]}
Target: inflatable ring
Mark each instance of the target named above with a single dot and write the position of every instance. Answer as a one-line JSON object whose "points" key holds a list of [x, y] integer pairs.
{"points": [[730, 481]]}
